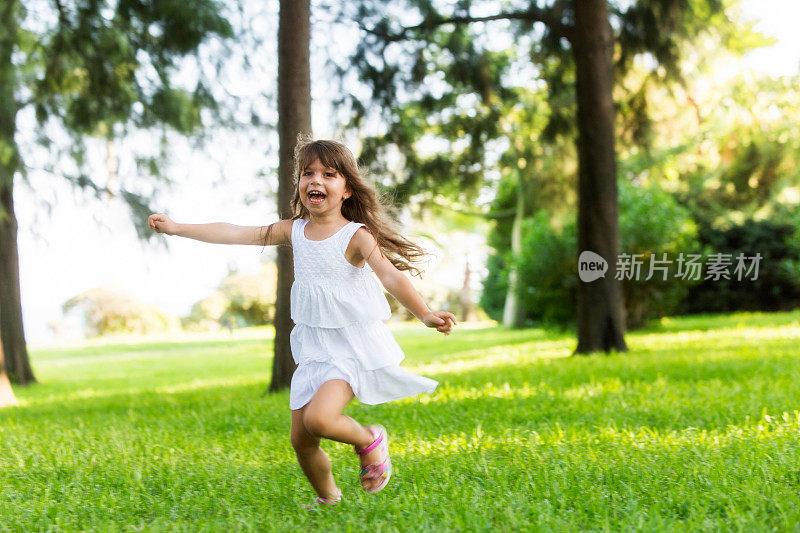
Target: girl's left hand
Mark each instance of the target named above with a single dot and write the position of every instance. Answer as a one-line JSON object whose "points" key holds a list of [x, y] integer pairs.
{"points": [[441, 320]]}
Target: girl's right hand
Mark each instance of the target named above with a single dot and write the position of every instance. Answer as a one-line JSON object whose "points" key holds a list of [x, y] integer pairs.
{"points": [[162, 224]]}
